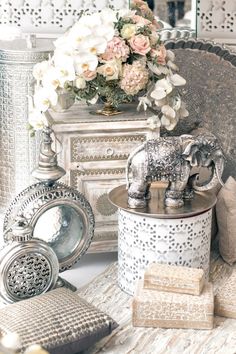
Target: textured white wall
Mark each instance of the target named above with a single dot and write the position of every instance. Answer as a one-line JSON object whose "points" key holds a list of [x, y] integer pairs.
{"points": [[49, 16], [217, 20]]}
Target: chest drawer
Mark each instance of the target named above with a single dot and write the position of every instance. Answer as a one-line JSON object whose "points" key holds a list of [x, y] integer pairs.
{"points": [[104, 147]]}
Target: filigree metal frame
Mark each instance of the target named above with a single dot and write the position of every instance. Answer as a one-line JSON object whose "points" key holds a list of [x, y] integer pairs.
{"points": [[38, 198]]}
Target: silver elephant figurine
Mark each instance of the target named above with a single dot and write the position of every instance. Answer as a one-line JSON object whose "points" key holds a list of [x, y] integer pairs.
{"points": [[171, 159]]}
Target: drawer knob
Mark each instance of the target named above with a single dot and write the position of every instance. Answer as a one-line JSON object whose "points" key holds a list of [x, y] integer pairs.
{"points": [[109, 151]]}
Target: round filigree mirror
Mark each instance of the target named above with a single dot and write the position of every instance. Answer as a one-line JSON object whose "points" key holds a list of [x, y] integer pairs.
{"points": [[59, 215]]}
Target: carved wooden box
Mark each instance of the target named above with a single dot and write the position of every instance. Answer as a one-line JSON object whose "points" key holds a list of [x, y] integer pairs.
{"points": [[225, 299], [94, 154], [152, 308], [177, 279]]}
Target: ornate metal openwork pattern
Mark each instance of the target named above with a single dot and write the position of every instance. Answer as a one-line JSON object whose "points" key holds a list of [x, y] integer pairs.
{"points": [[27, 269], [28, 275], [60, 202], [49, 16]]}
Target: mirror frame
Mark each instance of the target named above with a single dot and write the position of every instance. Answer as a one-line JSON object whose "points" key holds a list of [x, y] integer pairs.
{"points": [[37, 199]]}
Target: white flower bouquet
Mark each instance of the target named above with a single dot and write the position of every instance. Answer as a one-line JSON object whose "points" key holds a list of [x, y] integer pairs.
{"points": [[115, 56]]}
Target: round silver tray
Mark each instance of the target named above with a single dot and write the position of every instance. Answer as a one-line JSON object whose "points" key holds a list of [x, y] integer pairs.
{"points": [[210, 72], [59, 215], [156, 208]]}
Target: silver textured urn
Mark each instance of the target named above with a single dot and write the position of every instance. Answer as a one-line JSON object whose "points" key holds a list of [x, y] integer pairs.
{"points": [[18, 151], [28, 267]]}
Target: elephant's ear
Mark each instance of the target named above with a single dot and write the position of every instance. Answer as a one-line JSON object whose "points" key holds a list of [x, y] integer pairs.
{"points": [[191, 153]]}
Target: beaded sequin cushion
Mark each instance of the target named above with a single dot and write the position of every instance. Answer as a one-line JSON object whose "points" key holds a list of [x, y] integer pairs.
{"points": [[60, 321]]}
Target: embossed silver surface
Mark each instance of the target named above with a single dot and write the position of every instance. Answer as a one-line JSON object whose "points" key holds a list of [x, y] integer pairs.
{"points": [[27, 269], [59, 215], [18, 151], [210, 72], [171, 159]]}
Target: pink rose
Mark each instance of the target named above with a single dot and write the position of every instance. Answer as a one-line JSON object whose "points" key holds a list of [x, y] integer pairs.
{"points": [[160, 54], [157, 25], [140, 44], [141, 21], [89, 75]]}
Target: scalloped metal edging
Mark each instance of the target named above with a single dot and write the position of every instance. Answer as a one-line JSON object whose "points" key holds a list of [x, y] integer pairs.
{"points": [[203, 45]]}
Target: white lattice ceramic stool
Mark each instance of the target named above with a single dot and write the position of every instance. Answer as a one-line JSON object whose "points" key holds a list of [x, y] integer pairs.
{"points": [[159, 234]]}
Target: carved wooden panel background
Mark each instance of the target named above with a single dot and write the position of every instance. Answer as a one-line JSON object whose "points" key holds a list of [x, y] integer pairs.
{"points": [[49, 16], [217, 19]]}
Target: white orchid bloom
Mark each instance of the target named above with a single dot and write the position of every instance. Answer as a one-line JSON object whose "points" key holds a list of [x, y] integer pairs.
{"points": [[77, 34], [183, 112], [37, 119], [172, 65], [106, 31], [44, 98], [168, 123], [40, 69], [158, 70], [84, 62], [65, 68], [162, 89], [144, 103], [177, 80], [153, 122], [160, 103], [170, 55], [126, 13], [108, 15], [94, 45], [64, 45], [91, 20], [51, 78], [168, 112], [175, 102]]}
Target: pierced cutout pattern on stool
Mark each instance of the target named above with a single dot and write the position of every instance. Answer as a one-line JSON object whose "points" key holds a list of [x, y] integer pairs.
{"points": [[143, 240]]}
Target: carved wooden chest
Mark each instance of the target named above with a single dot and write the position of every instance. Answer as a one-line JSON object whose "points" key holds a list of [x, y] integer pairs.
{"points": [[94, 154]]}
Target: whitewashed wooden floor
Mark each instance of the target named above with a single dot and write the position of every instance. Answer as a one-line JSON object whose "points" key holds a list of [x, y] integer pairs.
{"points": [[104, 293]]}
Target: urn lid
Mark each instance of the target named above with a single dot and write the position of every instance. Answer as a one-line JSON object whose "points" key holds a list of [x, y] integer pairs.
{"points": [[27, 50], [20, 231], [27, 269]]}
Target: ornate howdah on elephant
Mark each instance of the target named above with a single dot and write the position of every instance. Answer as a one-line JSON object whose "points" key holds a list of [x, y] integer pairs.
{"points": [[172, 159]]}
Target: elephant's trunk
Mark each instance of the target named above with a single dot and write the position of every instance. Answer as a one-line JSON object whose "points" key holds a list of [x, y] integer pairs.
{"points": [[215, 178], [129, 162]]}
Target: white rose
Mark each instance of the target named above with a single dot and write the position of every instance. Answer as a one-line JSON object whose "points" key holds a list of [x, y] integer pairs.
{"points": [[128, 31], [110, 70], [80, 83]]}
